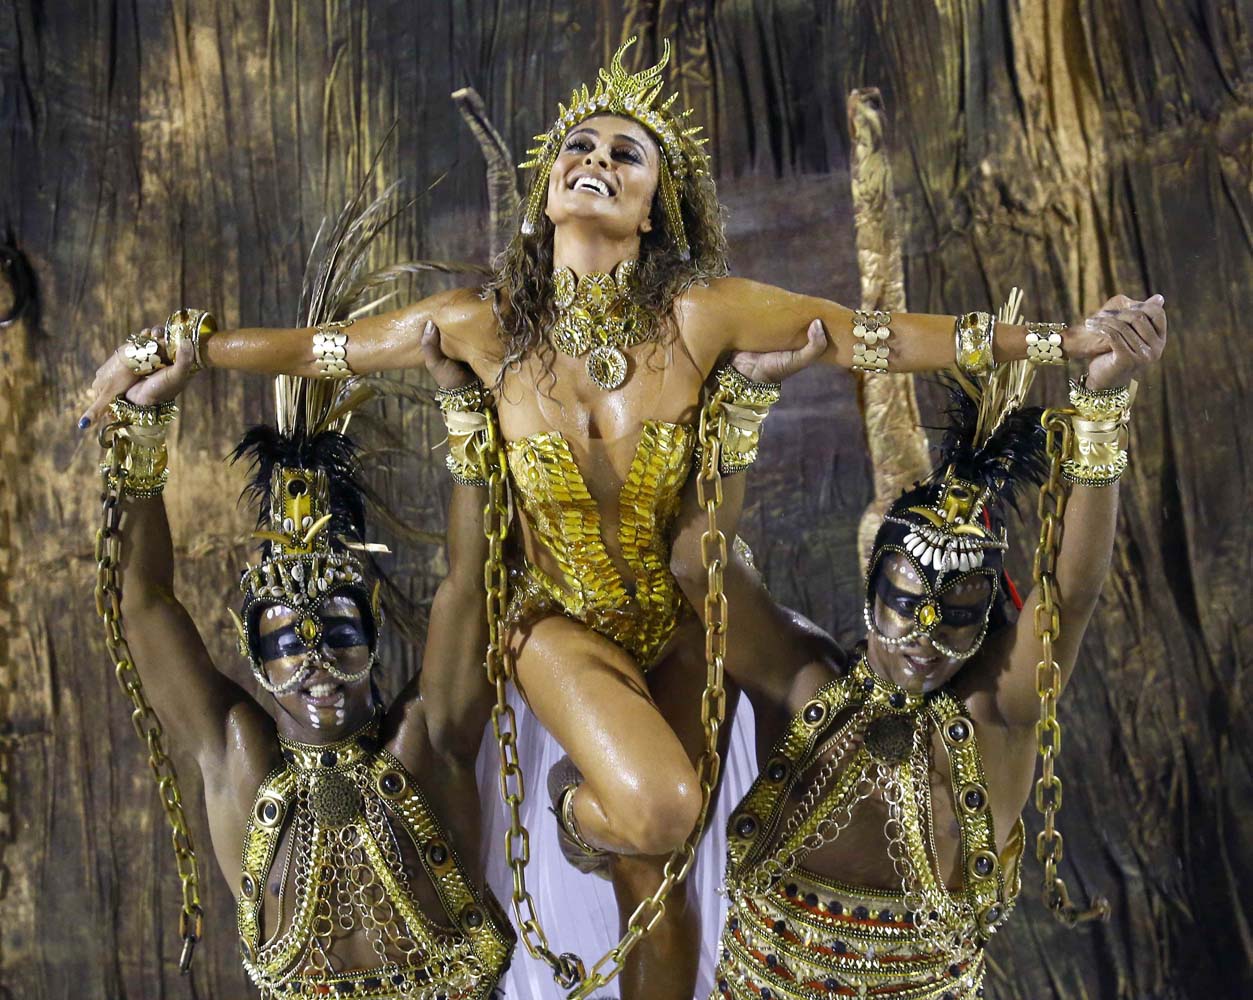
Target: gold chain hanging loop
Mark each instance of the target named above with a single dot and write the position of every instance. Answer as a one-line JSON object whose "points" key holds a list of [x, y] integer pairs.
{"points": [[108, 555], [568, 969], [1049, 848]]}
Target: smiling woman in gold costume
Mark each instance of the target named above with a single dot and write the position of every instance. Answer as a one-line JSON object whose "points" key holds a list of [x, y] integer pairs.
{"points": [[606, 316]]}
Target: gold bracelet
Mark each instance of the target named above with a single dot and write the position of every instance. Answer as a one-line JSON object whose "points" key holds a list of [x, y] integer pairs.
{"points": [[463, 411], [1044, 343], [143, 458], [1098, 456], [190, 328], [330, 349], [142, 354], [872, 329], [746, 407], [972, 337]]}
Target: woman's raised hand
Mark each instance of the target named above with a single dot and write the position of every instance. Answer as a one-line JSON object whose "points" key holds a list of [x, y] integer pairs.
{"points": [[448, 374], [112, 379], [1135, 333], [775, 366]]}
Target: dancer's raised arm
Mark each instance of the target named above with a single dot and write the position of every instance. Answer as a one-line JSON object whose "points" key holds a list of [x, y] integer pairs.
{"points": [[738, 314]]}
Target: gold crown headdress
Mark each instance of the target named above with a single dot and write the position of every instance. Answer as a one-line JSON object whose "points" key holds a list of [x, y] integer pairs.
{"points": [[630, 95]]}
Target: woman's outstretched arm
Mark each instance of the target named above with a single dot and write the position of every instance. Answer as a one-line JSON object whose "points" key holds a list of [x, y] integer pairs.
{"points": [[379, 343], [737, 314]]}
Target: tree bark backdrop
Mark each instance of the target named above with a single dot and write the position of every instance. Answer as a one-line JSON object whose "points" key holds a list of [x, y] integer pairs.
{"points": [[159, 153]]}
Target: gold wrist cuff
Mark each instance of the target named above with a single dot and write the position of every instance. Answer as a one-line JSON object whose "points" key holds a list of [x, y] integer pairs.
{"points": [[140, 446], [872, 329], [1101, 404], [1098, 456], [745, 406], [972, 343], [330, 349], [189, 328], [1044, 343], [463, 411]]}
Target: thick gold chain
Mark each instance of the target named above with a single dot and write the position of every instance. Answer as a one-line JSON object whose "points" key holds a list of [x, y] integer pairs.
{"points": [[108, 554], [568, 969], [1048, 678]]}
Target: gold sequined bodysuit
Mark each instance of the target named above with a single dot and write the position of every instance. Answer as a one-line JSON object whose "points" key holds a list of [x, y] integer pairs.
{"points": [[792, 934], [640, 615]]}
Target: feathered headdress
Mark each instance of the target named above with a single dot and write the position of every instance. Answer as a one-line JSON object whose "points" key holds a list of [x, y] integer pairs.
{"points": [[629, 95]]}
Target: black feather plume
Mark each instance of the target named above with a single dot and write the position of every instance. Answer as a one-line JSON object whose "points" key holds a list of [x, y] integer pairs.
{"points": [[334, 453], [1012, 458]]}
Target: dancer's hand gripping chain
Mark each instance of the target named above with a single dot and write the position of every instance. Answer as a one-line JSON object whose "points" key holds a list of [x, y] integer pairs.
{"points": [[568, 969], [108, 554], [1048, 788]]}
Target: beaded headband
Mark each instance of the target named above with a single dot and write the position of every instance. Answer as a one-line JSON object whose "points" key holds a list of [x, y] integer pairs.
{"points": [[629, 95]]}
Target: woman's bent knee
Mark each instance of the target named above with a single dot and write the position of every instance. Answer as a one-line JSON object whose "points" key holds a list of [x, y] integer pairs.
{"points": [[657, 817]]}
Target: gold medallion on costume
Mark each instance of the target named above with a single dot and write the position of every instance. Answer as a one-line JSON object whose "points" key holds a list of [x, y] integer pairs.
{"points": [[334, 799], [596, 317]]}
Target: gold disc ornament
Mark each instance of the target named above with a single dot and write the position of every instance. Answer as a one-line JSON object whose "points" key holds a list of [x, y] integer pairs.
{"points": [[334, 799], [607, 366], [890, 738]]}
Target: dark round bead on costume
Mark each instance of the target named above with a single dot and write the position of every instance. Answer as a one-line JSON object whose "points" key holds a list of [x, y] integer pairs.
{"points": [[993, 914], [933, 916], [372, 983], [815, 712], [861, 913], [974, 799], [831, 983], [437, 853], [398, 979], [726, 954], [836, 907], [734, 923], [979, 992], [839, 947], [745, 826], [345, 987], [765, 993], [780, 926], [776, 771], [958, 731], [473, 917], [391, 782], [954, 971], [329, 758], [868, 684], [269, 811], [248, 886], [772, 960], [983, 865], [811, 899], [791, 889], [723, 986], [289, 756], [949, 996], [897, 699], [886, 916]]}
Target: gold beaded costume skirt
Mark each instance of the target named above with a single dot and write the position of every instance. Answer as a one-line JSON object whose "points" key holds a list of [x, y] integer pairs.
{"points": [[640, 615]]}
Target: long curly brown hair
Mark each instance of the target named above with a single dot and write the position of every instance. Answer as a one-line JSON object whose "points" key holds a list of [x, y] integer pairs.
{"points": [[522, 288]]}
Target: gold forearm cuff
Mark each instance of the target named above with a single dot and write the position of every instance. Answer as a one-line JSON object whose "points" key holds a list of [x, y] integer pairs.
{"points": [[189, 328], [972, 336], [464, 415], [330, 349], [872, 330], [1044, 343]]}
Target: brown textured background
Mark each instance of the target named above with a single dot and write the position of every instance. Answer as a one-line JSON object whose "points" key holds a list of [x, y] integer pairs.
{"points": [[162, 152]]}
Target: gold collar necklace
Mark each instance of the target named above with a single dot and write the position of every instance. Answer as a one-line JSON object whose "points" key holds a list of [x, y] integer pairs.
{"points": [[595, 314]]}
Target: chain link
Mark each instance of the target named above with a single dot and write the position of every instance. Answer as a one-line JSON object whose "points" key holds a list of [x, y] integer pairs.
{"points": [[1049, 847], [108, 556], [568, 969]]}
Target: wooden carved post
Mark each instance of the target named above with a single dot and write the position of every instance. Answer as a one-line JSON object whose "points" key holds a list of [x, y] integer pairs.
{"points": [[889, 407]]}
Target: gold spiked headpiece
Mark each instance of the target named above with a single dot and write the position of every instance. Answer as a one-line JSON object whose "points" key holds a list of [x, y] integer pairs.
{"points": [[630, 95]]}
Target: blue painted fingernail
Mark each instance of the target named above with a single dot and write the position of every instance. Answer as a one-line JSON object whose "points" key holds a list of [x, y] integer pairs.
{"points": [[83, 422]]}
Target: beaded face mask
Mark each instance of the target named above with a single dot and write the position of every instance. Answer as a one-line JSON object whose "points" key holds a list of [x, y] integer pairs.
{"points": [[942, 550], [301, 573], [634, 96]]}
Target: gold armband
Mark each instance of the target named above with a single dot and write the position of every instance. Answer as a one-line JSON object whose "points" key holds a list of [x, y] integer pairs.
{"points": [[872, 329], [142, 458], [330, 349], [1044, 343], [1098, 454], [746, 405], [189, 328], [972, 337], [464, 414]]}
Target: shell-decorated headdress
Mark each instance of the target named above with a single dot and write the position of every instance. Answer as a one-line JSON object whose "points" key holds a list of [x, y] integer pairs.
{"points": [[635, 96]]}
